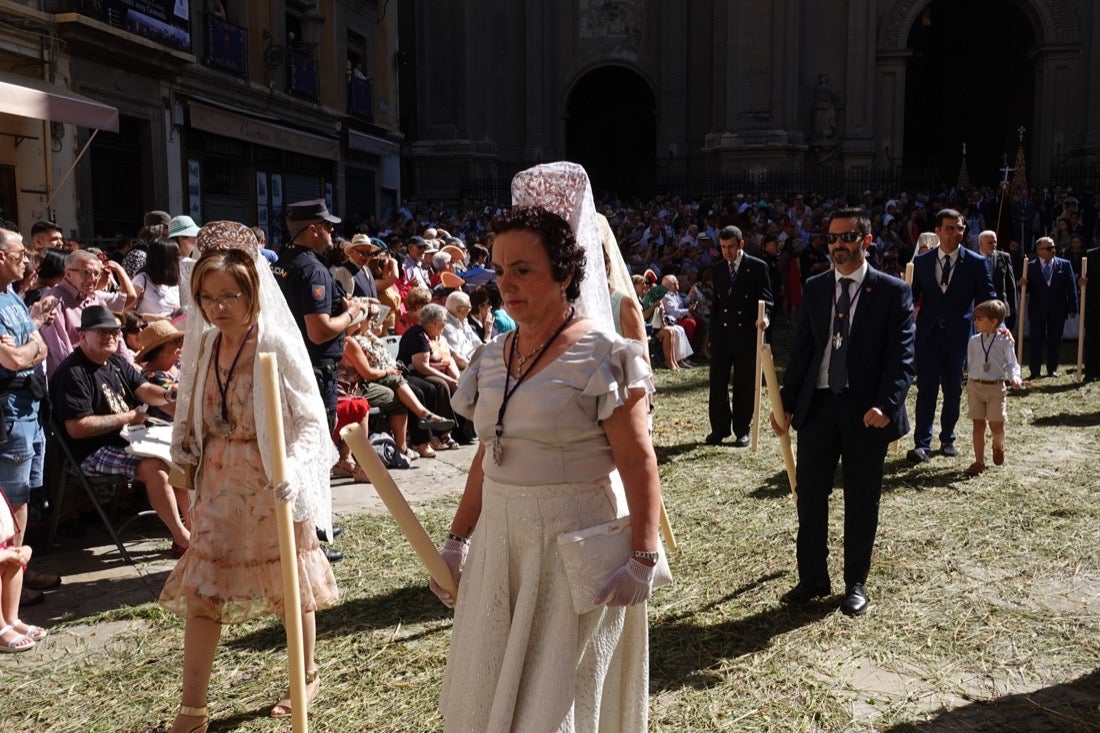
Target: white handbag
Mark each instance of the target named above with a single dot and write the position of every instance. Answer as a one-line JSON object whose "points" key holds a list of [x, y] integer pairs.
{"points": [[591, 556]]}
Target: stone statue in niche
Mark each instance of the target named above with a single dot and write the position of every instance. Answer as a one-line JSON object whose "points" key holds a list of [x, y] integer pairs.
{"points": [[826, 104], [619, 23]]}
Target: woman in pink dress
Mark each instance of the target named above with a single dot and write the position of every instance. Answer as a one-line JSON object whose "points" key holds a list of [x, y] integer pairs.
{"points": [[231, 572]]}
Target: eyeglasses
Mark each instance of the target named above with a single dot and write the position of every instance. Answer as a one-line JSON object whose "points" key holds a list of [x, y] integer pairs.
{"points": [[224, 301], [17, 255], [90, 273], [848, 237], [326, 225]]}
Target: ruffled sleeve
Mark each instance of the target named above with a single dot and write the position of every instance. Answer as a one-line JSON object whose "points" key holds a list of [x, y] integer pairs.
{"points": [[624, 368], [464, 399]]}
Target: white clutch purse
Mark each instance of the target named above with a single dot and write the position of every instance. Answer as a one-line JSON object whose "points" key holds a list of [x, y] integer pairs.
{"points": [[591, 555]]}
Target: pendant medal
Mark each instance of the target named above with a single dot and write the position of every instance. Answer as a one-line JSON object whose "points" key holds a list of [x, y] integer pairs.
{"points": [[837, 340], [498, 449]]}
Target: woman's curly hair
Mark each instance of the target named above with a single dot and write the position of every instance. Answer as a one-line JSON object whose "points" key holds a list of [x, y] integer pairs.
{"points": [[567, 259]]}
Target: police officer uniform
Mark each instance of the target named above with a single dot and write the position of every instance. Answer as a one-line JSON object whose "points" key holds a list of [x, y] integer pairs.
{"points": [[310, 288]]}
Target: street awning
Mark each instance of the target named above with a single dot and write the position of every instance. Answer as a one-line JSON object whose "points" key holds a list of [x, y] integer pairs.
{"points": [[27, 96]]}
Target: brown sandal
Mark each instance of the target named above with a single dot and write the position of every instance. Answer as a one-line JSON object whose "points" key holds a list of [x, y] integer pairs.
{"points": [[203, 713], [313, 684]]}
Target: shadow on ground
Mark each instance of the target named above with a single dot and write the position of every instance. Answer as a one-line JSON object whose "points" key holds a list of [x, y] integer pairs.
{"points": [[683, 653], [1066, 708]]}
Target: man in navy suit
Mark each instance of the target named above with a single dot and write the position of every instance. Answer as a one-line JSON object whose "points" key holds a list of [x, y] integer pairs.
{"points": [[739, 282], [1004, 281], [1052, 298], [947, 282], [844, 392]]}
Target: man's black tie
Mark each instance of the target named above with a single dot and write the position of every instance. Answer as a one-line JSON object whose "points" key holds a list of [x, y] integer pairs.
{"points": [[945, 271], [838, 360]]}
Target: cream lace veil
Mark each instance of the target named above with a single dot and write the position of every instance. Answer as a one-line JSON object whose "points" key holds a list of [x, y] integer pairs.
{"points": [[310, 450], [564, 188]]}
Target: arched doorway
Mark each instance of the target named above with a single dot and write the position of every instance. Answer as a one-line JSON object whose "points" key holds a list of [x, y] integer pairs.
{"points": [[971, 79], [611, 128]]}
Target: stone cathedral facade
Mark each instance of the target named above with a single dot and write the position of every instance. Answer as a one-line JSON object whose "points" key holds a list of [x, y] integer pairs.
{"points": [[647, 90]]}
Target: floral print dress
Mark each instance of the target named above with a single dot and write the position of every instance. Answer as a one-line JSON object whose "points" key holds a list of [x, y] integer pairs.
{"points": [[231, 572]]}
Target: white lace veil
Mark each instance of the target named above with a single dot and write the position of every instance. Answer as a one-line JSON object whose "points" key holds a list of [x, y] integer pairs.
{"points": [[619, 279], [564, 188], [310, 450]]}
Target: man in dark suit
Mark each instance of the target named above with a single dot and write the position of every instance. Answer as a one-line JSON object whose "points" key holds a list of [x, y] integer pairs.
{"points": [[844, 392], [947, 282], [739, 282], [1004, 281], [1052, 297]]}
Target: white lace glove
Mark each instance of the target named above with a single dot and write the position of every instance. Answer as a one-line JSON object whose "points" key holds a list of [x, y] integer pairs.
{"points": [[284, 492], [628, 586], [454, 554]]}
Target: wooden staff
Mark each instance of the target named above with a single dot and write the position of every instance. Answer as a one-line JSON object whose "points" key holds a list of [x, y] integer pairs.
{"points": [[1081, 324], [895, 447], [288, 555], [780, 414], [1021, 315], [399, 508], [760, 306]]}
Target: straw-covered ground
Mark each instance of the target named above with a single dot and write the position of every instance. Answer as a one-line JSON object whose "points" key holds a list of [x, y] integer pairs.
{"points": [[985, 602]]}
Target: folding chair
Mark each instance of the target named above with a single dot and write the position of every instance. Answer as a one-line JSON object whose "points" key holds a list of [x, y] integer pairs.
{"points": [[392, 344], [101, 489]]}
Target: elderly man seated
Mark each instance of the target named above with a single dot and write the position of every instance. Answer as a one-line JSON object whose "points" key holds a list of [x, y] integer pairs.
{"points": [[95, 393]]}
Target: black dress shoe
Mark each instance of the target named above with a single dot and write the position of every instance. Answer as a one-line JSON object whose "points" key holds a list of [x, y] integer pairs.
{"points": [[949, 449], [1054, 375], [332, 555], [803, 593], [1032, 376], [855, 601], [715, 439], [917, 455], [336, 532], [741, 441]]}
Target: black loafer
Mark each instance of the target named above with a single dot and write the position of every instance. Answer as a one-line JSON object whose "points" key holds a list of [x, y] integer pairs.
{"points": [[949, 450], [332, 555], [855, 601], [715, 439], [336, 532], [741, 441], [1054, 375], [917, 455], [803, 593]]}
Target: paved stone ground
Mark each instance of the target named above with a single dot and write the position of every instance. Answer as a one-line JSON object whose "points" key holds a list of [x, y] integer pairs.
{"points": [[96, 578]]}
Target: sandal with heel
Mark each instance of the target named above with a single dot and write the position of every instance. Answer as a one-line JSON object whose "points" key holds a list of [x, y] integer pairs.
{"points": [[189, 711], [313, 684]]}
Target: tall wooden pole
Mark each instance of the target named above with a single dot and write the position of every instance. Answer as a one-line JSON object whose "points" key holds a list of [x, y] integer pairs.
{"points": [[780, 414], [760, 307], [1081, 324], [1022, 315], [288, 554]]}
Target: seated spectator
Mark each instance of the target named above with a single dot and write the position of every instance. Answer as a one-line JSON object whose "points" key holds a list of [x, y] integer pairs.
{"points": [[159, 356], [95, 393], [75, 294], [387, 273], [478, 273], [457, 331], [49, 271], [415, 299], [158, 283], [481, 314], [132, 326], [427, 355], [368, 370], [675, 346], [15, 636]]}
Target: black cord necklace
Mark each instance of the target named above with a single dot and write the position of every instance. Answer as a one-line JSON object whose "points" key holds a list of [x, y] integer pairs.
{"points": [[225, 426], [509, 389]]}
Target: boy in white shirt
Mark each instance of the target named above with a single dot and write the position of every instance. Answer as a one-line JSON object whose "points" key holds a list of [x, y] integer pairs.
{"points": [[991, 359]]}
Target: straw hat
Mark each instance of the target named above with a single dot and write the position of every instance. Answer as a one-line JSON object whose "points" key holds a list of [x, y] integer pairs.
{"points": [[154, 335]]}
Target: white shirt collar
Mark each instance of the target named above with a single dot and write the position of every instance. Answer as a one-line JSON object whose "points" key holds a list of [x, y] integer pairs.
{"points": [[856, 276]]}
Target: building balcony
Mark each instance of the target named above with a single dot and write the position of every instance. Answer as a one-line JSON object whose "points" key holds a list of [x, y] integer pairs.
{"points": [[226, 46], [302, 76], [361, 98]]}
